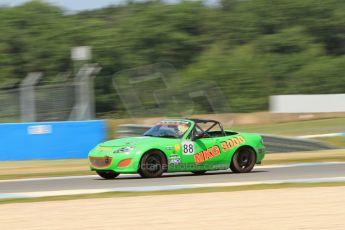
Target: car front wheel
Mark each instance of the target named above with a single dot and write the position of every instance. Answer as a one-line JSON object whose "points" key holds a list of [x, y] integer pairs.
{"points": [[152, 164]]}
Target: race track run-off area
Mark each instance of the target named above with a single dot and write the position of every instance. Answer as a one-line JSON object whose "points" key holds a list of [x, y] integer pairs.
{"points": [[274, 174], [283, 209]]}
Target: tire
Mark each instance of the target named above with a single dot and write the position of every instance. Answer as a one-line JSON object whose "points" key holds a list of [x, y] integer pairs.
{"points": [[152, 164], [107, 174], [243, 160], [200, 172]]}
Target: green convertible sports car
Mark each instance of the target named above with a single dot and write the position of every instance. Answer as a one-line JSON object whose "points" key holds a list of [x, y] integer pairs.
{"points": [[178, 145]]}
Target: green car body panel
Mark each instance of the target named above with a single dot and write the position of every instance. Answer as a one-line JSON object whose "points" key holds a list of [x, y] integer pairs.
{"points": [[182, 154]]}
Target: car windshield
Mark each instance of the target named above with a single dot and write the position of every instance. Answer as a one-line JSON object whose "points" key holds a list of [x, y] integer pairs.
{"points": [[169, 129]]}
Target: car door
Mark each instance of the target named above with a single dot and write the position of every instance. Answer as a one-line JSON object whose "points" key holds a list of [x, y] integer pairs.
{"points": [[201, 154]]}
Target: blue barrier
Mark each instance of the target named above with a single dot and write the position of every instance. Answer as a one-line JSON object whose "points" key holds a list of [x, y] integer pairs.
{"points": [[49, 140]]}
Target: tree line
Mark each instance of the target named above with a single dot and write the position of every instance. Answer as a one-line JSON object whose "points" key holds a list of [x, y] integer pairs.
{"points": [[252, 48]]}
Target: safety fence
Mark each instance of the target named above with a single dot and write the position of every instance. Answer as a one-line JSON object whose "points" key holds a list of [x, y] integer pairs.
{"points": [[9, 105], [68, 99]]}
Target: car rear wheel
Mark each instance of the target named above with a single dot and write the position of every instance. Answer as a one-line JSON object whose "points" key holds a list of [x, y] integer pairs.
{"points": [[107, 174], [152, 164], [243, 160], [200, 172]]}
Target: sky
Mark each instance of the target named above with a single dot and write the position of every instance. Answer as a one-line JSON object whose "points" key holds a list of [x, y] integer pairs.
{"points": [[73, 5], [80, 5]]}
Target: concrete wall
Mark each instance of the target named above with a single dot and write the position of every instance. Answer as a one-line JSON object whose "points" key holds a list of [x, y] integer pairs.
{"points": [[318, 103], [49, 140]]}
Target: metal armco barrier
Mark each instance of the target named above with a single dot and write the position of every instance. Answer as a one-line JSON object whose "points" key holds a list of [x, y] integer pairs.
{"points": [[50, 140], [277, 144], [273, 144]]}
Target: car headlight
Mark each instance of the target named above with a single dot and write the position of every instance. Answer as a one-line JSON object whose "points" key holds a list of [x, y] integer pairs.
{"points": [[124, 149]]}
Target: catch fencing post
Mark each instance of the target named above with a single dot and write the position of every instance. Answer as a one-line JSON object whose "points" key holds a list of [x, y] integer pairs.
{"points": [[84, 108], [27, 97]]}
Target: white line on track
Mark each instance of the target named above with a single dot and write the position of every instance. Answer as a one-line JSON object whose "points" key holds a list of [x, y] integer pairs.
{"points": [[323, 135]]}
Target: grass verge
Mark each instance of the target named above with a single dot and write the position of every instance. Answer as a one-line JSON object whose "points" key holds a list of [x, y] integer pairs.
{"points": [[297, 128], [336, 141], [175, 192], [300, 128], [45, 174], [294, 128], [43, 168], [304, 157]]}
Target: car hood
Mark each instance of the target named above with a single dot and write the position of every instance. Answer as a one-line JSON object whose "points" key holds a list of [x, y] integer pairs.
{"points": [[131, 141]]}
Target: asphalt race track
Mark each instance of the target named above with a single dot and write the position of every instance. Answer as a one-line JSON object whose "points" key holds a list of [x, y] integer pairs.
{"points": [[260, 174]]}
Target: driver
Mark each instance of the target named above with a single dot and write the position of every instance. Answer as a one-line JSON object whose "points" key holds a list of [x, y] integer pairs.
{"points": [[181, 129]]}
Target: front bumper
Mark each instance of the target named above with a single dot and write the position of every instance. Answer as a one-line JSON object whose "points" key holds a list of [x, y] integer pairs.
{"points": [[261, 152], [113, 162], [100, 162]]}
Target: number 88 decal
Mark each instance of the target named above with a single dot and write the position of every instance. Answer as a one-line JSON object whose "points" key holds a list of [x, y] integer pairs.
{"points": [[188, 148]]}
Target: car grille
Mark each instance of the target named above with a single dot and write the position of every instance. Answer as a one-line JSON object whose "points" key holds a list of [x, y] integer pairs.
{"points": [[100, 162]]}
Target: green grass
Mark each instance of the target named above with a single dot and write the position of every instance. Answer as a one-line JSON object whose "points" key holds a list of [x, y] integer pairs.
{"points": [[175, 192], [45, 174], [336, 141], [304, 157], [297, 128], [305, 160], [300, 128], [43, 168]]}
